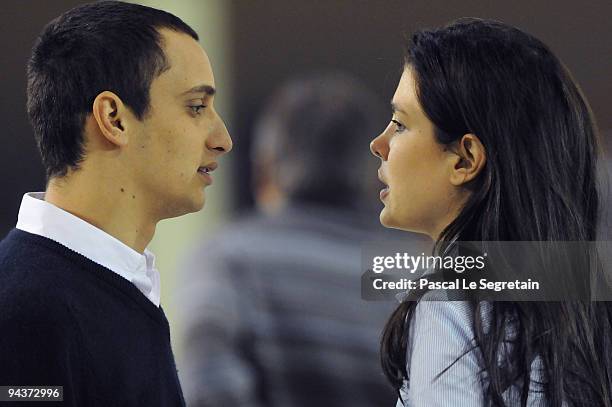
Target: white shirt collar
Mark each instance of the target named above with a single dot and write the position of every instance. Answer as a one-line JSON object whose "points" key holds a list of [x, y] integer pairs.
{"points": [[42, 218]]}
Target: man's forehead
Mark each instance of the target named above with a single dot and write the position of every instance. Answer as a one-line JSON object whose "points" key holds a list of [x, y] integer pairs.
{"points": [[189, 66]]}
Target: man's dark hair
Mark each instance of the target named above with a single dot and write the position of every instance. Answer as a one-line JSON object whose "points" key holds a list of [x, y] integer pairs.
{"points": [[105, 46], [316, 130]]}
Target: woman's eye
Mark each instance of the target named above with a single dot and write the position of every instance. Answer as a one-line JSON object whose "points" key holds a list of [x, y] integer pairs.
{"points": [[398, 126], [197, 109]]}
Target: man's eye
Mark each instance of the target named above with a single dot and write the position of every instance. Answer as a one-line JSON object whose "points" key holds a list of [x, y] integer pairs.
{"points": [[197, 109], [398, 126]]}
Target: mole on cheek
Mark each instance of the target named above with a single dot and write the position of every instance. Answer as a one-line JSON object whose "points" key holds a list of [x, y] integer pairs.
{"points": [[122, 190], [133, 196]]}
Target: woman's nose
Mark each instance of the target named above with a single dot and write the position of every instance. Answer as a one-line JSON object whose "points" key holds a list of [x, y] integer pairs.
{"points": [[379, 147]]}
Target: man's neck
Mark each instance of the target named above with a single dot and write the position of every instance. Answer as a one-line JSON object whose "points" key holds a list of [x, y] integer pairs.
{"points": [[112, 208]]}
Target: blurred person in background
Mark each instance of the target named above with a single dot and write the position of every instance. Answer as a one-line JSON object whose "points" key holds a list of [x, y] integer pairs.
{"points": [[272, 308], [120, 97], [492, 140]]}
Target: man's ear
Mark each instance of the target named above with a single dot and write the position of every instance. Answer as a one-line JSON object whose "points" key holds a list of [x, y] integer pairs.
{"points": [[469, 158], [111, 117]]}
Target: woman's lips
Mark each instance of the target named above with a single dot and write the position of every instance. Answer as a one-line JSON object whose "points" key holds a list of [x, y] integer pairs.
{"points": [[383, 193]]}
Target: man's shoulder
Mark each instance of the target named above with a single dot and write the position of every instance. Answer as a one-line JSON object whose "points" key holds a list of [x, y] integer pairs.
{"points": [[32, 280], [33, 293], [32, 313], [30, 261], [20, 248]]}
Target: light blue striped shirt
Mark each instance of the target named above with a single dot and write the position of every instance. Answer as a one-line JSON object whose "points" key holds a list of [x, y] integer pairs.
{"points": [[440, 332]]}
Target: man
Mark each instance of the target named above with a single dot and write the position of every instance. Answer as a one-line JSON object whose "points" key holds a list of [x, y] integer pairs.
{"points": [[273, 303], [120, 97]]}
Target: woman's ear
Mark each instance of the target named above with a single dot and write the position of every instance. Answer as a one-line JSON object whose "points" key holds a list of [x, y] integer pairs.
{"points": [[469, 159], [110, 115]]}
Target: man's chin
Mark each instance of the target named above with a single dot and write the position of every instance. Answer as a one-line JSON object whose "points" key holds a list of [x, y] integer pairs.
{"points": [[185, 206], [199, 203]]}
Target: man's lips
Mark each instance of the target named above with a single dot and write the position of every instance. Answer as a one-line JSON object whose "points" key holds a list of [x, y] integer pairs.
{"points": [[207, 168], [205, 171]]}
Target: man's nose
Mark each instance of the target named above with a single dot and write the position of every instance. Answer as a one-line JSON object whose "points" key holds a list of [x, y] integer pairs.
{"points": [[220, 140]]}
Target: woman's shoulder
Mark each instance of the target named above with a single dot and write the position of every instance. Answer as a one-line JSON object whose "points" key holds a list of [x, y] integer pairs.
{"points": [[435, 313], [444, 362], [442, 357]]}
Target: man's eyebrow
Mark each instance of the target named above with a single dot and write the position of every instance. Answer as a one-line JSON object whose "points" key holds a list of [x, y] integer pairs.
{"points": [[395, 108], [209, 90]]}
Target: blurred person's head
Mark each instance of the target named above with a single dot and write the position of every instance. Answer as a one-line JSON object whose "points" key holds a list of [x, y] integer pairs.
{"points": [[122, 94], [309, 141], [492, 140]]}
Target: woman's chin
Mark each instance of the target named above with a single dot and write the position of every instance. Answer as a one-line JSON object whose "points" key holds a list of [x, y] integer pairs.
{"points": [[387, 220]]}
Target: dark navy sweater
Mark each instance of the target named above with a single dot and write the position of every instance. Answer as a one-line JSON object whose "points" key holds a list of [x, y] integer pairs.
{"points": [[67, 321]]}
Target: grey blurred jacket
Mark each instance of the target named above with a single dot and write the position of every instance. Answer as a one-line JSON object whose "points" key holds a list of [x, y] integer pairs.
{"points": [[273, 315]]}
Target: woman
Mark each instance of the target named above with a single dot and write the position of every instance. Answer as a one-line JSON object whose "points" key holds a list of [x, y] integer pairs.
{"points": [[491, 140]]}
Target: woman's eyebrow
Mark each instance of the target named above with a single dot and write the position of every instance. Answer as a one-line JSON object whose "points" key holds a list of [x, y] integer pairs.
{"points": [[395, 108]]}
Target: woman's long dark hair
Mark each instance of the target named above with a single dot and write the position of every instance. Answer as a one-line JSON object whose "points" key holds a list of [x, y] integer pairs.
{"points": [[539, 184]]}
